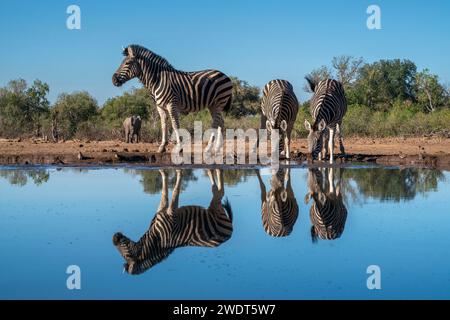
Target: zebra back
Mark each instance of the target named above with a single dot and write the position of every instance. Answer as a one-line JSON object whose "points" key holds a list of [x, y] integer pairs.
{"points": [[279, 102], [328, 102]]}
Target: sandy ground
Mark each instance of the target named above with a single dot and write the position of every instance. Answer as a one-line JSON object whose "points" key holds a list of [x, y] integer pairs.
{"points": [[427, 151]]}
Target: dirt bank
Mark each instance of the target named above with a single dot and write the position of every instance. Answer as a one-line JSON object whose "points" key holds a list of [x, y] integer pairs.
{"points": [[432, 152]]}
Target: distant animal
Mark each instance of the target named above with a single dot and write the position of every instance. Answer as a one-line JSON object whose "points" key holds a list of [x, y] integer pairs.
{"points": [[132, 129], [279, 208], [174, 227], [176, 91], [328, 107], [279, 107], [328, 212]]}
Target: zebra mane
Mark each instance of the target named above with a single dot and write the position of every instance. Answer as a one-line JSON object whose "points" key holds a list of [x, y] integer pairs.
{"points": [[144, 53]]}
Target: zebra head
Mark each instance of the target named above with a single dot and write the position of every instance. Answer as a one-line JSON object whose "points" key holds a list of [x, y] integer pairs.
{"points": [[128, 69], [129, 250], [315, 141]]}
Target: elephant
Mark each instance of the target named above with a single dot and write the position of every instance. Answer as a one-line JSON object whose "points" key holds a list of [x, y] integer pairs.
{"points": [[132, 128]]}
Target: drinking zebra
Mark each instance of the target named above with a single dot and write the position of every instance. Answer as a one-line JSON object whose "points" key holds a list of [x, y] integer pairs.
{"points": [[279, 208], [328, 107], [176, 91], [174, 227], [279, 107], [328, 212]]}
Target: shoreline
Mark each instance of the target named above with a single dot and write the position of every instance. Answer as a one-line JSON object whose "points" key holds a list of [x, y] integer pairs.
{"points": [[415, 152]]}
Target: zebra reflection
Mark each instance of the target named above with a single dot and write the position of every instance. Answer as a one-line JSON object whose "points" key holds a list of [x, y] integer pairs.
{"points": [[174, 227], [328, 212], [279, 208]]}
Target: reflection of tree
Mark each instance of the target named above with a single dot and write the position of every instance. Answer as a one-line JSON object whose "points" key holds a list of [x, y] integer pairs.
{"points": [[152, 182], [233, 177], [386, 184], [20, 177]]}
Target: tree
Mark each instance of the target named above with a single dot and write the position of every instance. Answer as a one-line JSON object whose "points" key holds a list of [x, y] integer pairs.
{"points": [[246, 99], [383, 82], [23, 108], [347, 68], [135, 102], [70, 110], [431, 95]]}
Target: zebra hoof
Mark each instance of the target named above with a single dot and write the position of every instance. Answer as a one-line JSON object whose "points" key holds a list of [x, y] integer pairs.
{"points": [[162, 149]]}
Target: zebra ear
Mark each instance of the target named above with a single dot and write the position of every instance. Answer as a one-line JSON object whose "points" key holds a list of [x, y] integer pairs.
{"points": [[284, 196], [125, 51], [307, 125], [322, 125], [131, 52], [283, 125]]}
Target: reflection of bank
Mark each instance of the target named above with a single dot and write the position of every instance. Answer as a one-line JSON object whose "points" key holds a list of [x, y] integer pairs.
{"points": [[328, 212], [174, 226], [279, 208]]}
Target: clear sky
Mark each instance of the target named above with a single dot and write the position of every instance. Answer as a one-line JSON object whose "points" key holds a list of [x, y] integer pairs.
{"points": [[252, 39]]}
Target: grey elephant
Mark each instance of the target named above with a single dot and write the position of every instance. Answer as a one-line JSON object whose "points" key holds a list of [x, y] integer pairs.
{"points": [[132, 128]]}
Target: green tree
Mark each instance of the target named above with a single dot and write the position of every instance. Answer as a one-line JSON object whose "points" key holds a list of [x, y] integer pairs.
{"points": [[246, 100], [23, 108], [382, 83], [135, 102], [431, 95], [71, 110]]}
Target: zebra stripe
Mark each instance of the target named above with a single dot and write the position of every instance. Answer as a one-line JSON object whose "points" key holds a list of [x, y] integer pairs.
{"points": [[279, 208], [328, 212], [177, 91], [328, 107], [174, 227], [279, 107]]}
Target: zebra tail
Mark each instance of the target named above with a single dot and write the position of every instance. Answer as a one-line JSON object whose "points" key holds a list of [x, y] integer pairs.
{"points": [[227, 206], [312, 84]]}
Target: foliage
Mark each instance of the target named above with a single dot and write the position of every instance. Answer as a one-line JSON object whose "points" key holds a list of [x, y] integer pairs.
{"points": [[23, 108], [246, 100]]}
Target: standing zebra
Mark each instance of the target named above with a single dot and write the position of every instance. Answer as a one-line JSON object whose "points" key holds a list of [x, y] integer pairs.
{"points": [[174, 227], [177, 91], [279, 207], [279, 107], [328, 107], [328, 212]]}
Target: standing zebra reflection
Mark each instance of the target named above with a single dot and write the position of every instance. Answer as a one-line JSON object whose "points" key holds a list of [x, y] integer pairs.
{"points": [[174, 226], [279, 208], [328, 212]]}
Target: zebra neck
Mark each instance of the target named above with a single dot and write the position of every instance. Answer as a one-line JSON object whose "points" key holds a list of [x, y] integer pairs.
{"points": [[154, 249]]}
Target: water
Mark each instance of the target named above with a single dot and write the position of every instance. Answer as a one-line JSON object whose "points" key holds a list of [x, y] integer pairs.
{"points": [[399, 220]]}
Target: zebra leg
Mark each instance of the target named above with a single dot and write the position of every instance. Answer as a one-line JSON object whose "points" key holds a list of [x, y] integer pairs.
{"points": [[219, 178], [219, 123], [173, 114], [263, 125], [163, 117], [176, 193], [287, 146], [331, 145], [331, 180], [341, 143], [164, 192]]}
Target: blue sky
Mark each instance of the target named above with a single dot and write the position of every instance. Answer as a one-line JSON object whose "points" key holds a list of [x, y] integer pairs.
{"points": [[254, 40]]}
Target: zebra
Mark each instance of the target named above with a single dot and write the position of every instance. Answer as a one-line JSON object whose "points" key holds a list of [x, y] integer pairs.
{"points": [[328, 212], [176, 91], [328, 107], [279, 208], [279, 108], [174, 227]]}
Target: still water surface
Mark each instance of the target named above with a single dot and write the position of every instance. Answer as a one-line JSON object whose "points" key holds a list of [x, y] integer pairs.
{"points": [[273, 245]]}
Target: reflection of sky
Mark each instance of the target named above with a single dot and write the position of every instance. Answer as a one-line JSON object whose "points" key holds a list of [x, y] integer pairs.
{"points": [[71, 219]]}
